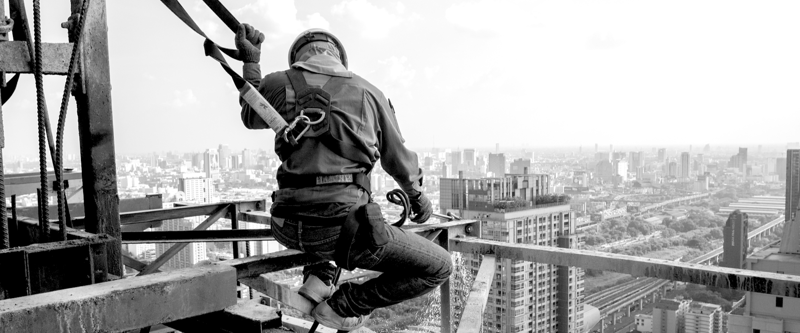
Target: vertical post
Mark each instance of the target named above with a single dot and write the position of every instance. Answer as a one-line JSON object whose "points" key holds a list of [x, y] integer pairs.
{"points": [[96, 131], [235, 225], [4, 231], [602, 325], [444, 289]]}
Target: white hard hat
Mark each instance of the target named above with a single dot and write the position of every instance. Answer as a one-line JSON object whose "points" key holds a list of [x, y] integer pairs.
{"points": [[316, 35]]}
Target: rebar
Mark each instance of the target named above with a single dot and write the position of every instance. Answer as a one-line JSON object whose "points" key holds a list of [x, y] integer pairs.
{"points": [[44, 201], [62, 117]]}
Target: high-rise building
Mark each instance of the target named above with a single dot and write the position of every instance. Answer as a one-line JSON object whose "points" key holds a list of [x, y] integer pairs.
{"points": [[197, 161], [780, 168], [454, 161], [734, 243], [685, 166], [703, 318], [211, 163], [792, 182], [189, 256], [469, 158], [644, 322], [662, 154], [707, 148], [672, 168], [196, 188], [224, 157], [669, 316], [743, 159], [497, 165], [790, 241], [525, 296], [248, 159], [520, 166], [635, 159], [768, 313]]}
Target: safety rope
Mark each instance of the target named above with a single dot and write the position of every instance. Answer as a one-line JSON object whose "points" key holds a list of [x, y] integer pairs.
{"points": [[3, 214], [59, 167], [246, 90], [399, 197], [44, 201]]}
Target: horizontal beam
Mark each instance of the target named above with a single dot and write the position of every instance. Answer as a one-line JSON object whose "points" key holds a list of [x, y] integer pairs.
{"points": [[107, 307], [738, 279], [472, 317], [190, 236], [271, 262], [455, 229], [280, 293], [245, 316], [154, 215], [15, 57]]}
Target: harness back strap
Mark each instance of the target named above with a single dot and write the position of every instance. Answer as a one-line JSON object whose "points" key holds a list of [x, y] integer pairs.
{"points": [[314, 97]]}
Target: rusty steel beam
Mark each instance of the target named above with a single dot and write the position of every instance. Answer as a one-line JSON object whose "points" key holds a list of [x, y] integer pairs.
{"points": [[124, 304], [738, 279], [15, 58], [472, 317]]}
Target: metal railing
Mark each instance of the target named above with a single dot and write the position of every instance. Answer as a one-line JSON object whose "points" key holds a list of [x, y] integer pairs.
{"points": [[197, 286]]}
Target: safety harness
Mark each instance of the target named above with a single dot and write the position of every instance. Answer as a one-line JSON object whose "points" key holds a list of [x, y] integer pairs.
{"points": [[315, 118]]}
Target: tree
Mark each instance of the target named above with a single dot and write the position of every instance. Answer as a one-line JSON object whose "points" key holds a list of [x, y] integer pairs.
{"points": [[715, 233]]}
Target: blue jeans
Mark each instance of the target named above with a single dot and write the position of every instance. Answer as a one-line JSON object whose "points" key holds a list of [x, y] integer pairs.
{"points": [[412, 265]]}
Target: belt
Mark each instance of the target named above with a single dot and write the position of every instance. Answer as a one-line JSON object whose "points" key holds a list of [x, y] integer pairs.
{"points": [[301, 181]]}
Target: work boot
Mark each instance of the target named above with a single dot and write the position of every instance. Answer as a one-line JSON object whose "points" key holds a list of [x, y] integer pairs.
{"points": [[325, 315], [315, 290]]}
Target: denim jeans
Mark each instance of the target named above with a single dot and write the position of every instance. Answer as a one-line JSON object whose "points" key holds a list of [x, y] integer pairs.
{"points": [[412, 265]]}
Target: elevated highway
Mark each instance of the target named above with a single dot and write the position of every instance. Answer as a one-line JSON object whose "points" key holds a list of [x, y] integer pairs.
{"points": [[618, 301]]}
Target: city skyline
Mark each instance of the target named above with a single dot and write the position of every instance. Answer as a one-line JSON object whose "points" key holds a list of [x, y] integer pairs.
{"points": [[605, 66]]}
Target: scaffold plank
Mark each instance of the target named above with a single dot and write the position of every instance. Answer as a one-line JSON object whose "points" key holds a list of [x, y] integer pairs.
{"points": [[123, 304], [738, 279], [472, 317]]}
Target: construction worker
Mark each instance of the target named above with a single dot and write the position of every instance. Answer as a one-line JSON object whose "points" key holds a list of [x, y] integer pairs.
{"points": [[324, 178]]}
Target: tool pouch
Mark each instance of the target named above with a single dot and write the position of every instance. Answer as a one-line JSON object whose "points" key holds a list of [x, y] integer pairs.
{"points": [[373, 226]]}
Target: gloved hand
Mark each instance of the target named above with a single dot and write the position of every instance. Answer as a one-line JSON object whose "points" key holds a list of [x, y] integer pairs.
{"points": [[421, 207], [248, 43]]}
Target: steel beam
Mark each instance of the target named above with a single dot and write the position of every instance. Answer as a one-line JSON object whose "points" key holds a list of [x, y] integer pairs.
{"points": [[123, 304], [271, 262], [96, 132], [745, 280], [15, 58], [196, 236], [472, 317], [155, 215], [173, 250], [244, 317], [280, 293]]}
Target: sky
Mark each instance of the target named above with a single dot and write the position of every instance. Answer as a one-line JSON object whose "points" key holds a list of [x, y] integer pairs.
{"points": [[461, 74]]}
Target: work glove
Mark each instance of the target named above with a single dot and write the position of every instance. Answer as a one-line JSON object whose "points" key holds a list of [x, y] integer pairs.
{"points": [[248, 43], [421, 207]]}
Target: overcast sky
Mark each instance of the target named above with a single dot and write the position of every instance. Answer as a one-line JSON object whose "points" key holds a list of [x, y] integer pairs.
{"points": [[463, 73]]}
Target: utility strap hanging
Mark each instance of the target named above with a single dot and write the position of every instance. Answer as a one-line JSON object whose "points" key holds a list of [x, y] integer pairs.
{"points": [[246, 90]]}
